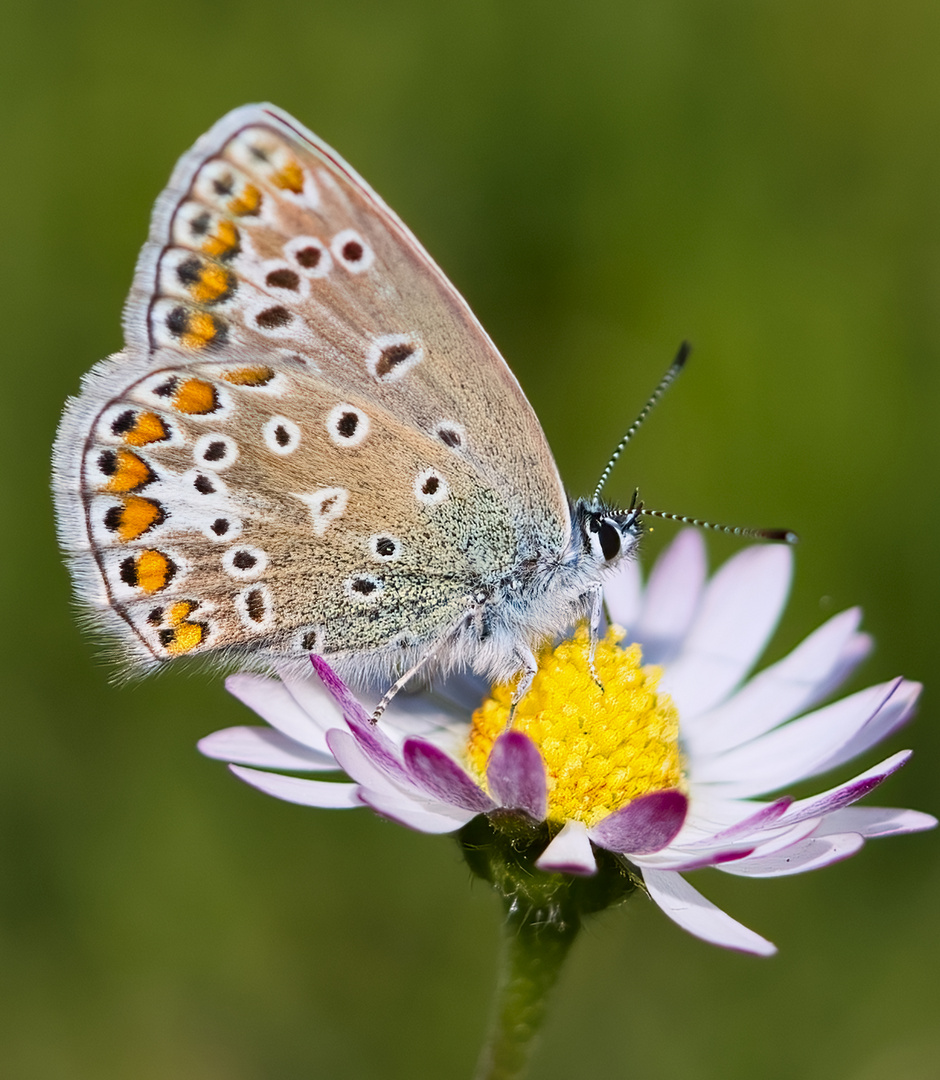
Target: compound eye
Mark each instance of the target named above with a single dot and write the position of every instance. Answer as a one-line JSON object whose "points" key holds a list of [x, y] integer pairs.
{"points": [[609, 538]]}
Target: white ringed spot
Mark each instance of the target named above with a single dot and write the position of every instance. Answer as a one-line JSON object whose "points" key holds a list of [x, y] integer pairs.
{"points": [[285, 281], [391, 356], [310, 639], [215, 451], [201, 483], [384, 548], [245, 563], [451, 434], [310, 255], [271, 317], [255, 607], [430, 487], [364, 588], [326, 505], [351, 251], [346, 425], [222, 529], [281, 436]]}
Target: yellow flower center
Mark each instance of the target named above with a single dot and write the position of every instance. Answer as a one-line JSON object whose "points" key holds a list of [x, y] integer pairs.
{"points": [[601, 748]]}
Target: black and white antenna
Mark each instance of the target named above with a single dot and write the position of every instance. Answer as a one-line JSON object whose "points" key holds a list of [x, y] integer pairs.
{"points": [[664, 383], [786, 536]]}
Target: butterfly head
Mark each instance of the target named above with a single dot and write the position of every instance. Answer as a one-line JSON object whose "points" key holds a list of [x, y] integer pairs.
{"points": [[606, 534]]}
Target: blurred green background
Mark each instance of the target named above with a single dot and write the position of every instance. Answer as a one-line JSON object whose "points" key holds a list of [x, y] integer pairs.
{"points": [[600, 179]]}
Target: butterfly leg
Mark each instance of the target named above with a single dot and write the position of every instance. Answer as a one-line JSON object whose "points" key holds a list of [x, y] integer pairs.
{"points": [[529, 667], [403, 680], [595, 597]]}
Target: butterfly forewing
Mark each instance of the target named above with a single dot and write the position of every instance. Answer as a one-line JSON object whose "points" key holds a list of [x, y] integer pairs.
{"points": [[309, 443]]}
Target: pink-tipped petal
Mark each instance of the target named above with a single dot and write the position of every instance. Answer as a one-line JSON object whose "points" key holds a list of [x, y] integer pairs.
{"points": [[264, 748], [414, 815], [359, 766], [293, 789], [687, 907], [872, 821], [515, 774], [748, 828], [735, 619], [344, 697], [623, 593], [828, 802], [683, 861], [442, 778], [646, 824], [810, 853], [672, 597], [569, 853], [272, 701], [778, 693], [378, 747]]}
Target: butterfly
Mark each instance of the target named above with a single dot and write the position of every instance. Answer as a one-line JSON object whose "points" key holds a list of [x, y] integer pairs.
{"points": [[310, 445]]}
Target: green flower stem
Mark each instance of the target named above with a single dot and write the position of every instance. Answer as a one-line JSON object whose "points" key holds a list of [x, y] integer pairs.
{"points": [[543, 916], [535, 945]]}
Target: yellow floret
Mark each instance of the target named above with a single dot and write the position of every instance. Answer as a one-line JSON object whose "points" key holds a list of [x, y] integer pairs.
{"points": [[601, 747]]}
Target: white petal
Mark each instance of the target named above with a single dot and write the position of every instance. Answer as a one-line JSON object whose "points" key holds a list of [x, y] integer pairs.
{"points": [[697, 859], [419, 714], [623, 592], [672, 598], [762, 816], [264, 747], [808, 746], [735, 619], [273, 702], [875, 821], [810, 853], [422, 818], [569, 853], [770, 841], [312, 696], [780, 692], [709, 814], [895, 714], [687, 907], [293, 789], [857, 649]]}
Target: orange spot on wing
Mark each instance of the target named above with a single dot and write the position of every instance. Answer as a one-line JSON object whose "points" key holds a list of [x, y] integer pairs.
{"points": [[130, 473], [249, 376], [215, 283], [196, 397], [180, 611], [148, 428], [137, 516], [247, 203], [154, 571], [201, 330], [223, 243], [291, 177], [183, 636]]}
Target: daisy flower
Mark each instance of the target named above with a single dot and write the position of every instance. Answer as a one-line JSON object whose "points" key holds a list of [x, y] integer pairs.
{"points": [[670, 761]]}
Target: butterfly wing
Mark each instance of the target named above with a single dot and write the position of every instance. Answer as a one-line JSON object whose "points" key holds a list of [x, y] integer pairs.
{"points": [[309, 442]]}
